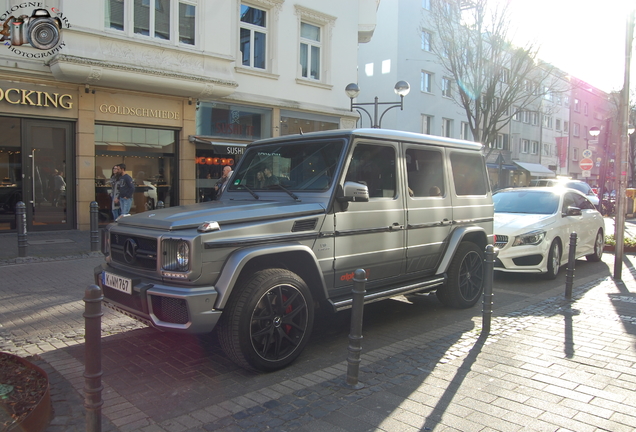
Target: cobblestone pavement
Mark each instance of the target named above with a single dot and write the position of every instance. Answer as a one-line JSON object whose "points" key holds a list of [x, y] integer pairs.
{"points": [[551, 365]]}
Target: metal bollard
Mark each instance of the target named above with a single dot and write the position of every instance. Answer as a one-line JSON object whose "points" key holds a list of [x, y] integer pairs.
{"points": [[569, 275], [355, 335], [489, 269], [94, 226], [93, 358], [21, 224], [160, 204]]}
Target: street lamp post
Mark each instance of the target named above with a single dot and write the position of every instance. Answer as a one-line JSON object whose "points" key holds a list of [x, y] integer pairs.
{"points": [[402, 88], [622, 155]]}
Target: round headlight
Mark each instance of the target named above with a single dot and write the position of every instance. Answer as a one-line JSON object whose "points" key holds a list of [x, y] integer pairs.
{"points": [[183, 254]]}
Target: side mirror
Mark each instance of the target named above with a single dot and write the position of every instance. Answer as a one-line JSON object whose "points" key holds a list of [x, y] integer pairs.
{"points": [[354, 192], [573, 211]]}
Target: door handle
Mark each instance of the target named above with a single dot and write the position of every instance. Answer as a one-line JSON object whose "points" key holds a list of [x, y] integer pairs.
{"points": [[396, 226]]}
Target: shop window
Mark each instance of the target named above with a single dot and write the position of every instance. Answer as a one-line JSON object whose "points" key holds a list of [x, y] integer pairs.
{"points": [[233, 122], [154, 18], [150, 158], [292, 122]]}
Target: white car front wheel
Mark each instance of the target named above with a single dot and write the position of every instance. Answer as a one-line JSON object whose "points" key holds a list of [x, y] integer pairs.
{"points": [[554, 260]]}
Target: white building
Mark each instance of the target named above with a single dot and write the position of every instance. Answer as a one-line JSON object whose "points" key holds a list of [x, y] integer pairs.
{"points": [[171, 88]]}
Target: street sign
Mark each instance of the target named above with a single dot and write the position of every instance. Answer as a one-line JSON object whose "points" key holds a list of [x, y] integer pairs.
{"points": [[586, 164], [587, 153], [586, 173]]}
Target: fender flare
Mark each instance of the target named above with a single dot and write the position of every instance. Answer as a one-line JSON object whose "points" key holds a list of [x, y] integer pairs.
{"points": [[453, 243], [237, 261]]}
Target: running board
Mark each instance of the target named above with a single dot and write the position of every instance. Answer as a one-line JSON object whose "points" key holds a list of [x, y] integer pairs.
{"points": [[383, 295]]}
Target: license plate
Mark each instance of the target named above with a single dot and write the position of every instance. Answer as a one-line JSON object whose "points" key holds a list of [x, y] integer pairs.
{"points": [[117, 282]]}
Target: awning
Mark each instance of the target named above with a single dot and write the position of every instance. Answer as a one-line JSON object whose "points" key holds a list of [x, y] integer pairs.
{"points": [[536, 170], [220, 148]]}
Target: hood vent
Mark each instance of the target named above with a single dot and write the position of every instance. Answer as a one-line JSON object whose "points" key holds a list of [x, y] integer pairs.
{"points": [[305, 225]]}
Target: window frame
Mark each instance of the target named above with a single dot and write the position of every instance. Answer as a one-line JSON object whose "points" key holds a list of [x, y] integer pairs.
{"points": [[427, 124], [429, 75], [426, 42], [173, 26], [326, 24], [447, 88]]}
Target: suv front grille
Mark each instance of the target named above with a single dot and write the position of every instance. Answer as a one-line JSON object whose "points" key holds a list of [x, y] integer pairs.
{"points": [[501, 241], [134, 251]]}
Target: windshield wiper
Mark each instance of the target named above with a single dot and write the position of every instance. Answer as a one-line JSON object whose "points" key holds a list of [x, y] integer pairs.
{"points": [[290, 193], [250, 191]]}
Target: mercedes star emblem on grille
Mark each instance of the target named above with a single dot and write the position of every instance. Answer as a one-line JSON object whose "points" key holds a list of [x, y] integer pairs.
{"points": [[130, 251]]}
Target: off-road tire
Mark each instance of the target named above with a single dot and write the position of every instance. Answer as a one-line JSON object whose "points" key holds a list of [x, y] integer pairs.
{"points": [[465, 275], [267, 321]]}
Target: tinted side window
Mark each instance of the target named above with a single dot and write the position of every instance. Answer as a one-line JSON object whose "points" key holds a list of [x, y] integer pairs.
{"points": [[582, 203], [469, 174], [568, 201], [425, 173], [374, 166]]}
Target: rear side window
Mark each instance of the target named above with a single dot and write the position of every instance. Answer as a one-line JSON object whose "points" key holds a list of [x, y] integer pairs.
{"points": [[469, 174], [425, 173]]}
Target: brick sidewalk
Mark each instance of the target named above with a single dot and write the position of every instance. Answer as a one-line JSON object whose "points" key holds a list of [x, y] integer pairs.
{"points": [[553, 365]]}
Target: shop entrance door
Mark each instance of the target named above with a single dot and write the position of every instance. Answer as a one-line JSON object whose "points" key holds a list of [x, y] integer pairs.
{"points": [[48, 175]]}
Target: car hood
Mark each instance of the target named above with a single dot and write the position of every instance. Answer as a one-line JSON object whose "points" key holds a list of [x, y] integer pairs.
{"points": [[516, 223], [223, 212]]}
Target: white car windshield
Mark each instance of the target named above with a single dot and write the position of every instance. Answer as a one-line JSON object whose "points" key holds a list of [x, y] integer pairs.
{"points": [[526, 201]]}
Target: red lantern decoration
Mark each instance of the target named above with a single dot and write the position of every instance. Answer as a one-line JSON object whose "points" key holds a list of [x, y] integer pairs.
{"points": [[201, 161], [209, 161], [223, 162], [230, 162], [216, 161]]}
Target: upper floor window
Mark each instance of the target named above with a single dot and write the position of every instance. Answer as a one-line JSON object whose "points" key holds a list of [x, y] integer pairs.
{"points": [[526, 116], [535, 118], [253, 37], [558, 124], [426, 82], [500, 141], [576, 130], [310, 51], [535, 147], [585, 108], [426, 40], [427, 123], [447, 128], [566, 126], [465, 132], [577, 105], [517, 114], [446, 87], [566, 101], [426, 4], [525, 146], [154, 18]]}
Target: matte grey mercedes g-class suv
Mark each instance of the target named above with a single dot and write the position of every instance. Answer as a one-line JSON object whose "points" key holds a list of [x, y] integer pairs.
{"points": [[300, 215]]}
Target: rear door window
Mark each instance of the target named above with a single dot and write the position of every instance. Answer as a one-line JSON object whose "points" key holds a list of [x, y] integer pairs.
{"points": [[469, 174]]}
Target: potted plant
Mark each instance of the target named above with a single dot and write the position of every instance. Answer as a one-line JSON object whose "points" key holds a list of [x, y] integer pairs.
{"points": [[629, 244]]}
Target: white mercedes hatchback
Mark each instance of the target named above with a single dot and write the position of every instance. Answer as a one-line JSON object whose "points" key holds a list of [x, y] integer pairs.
{"points": [[533, 227]]}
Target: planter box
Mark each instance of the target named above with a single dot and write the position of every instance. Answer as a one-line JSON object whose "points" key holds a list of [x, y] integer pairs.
{"points": [[626, 249], [41, 414]]}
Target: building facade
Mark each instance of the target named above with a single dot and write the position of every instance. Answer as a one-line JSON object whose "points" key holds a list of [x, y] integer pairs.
{"points": [[172, 88], [536, 143]]}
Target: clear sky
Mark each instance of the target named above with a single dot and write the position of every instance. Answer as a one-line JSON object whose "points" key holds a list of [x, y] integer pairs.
{"points": [[585, 38]]}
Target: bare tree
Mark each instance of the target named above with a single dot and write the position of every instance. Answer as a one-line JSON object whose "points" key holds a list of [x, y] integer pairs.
{"points": [[495, 79]]}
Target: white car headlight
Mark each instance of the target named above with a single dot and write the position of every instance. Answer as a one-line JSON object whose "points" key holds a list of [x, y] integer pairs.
{"points": [[531, 238]]}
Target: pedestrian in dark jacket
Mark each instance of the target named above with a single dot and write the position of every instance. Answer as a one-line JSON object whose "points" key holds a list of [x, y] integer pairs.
{"points": [[125, 189]]}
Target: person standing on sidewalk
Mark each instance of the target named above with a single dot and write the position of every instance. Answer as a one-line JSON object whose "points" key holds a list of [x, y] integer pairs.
{"points": [[125, 189], [114, 178], [223, 181]]}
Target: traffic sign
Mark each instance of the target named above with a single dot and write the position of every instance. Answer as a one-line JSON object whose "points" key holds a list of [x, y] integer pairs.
{"points": [[586, 164], [587, 153], [586, 174]]}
